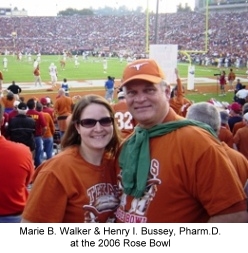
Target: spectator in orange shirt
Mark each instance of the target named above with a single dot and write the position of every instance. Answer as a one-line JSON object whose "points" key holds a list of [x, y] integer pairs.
{"points": [[224, 133], [240, 124], [178, 102], [62, 109], [241, 137]]}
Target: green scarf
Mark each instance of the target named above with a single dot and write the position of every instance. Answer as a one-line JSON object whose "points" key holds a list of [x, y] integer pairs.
{"points": [[134, 159]]}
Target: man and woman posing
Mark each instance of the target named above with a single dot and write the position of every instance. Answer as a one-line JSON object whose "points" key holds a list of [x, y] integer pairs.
{"points": [[163, 172]]}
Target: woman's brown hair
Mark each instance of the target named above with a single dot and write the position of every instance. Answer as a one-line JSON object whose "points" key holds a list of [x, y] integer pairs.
{"points": [[71, 136]]}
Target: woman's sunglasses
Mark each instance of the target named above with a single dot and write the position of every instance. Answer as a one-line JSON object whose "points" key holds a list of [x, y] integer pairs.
{"points": [[89, 123]]}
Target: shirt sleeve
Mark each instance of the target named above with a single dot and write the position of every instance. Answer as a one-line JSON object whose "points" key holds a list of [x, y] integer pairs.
{"points": [[47, 200]]}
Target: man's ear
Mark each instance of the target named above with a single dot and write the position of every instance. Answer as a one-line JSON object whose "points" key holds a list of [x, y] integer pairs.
{"points": [[168, 91]]}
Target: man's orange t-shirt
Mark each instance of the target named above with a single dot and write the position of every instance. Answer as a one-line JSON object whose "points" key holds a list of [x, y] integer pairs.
{"points": [[180, 186], [226, 136]]}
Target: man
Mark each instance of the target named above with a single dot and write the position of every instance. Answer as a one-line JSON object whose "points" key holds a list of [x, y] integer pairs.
{"points": [[172, 170], [240, 124], [238, 86], [235, 114], [1, 82], [178, 102], [8, 101], [53, 74], [46, 108], [105, 65], [123, 117], [65, 86], [39, 57], [5, 64], [76, 63], [224, 133], [62, 64], [209, 114], [62, 109], [19, 56], [14, 112], [231, 77], [15, 89], [15, 175], [21, 128], [241, 96], [40, 128], [241, 137], [48, 134], [109, 88], [35, 64], [29, 57], [37, 77]]}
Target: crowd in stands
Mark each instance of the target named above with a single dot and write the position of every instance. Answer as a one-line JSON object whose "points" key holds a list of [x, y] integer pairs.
{"points": [[227, 35]]}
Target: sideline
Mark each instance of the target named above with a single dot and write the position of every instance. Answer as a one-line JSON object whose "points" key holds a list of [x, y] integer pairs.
{"points": [[100, 83]]}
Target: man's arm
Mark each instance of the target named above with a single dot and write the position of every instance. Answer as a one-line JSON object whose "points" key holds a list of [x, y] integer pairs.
{"points": [[238, 217]]}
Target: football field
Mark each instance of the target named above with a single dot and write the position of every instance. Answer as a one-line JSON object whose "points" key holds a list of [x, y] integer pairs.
{"points": [[89, 77]]}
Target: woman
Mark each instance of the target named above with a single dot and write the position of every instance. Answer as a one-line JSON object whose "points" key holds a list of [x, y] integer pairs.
{"points": [[79, 184]]}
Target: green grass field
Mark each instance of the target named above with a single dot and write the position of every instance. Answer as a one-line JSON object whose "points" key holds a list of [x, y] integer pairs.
{"points": [[92, 69], [22, 71]]}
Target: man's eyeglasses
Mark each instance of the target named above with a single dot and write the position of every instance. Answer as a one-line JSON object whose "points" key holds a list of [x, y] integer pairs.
{"points": [[88, 123]]}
